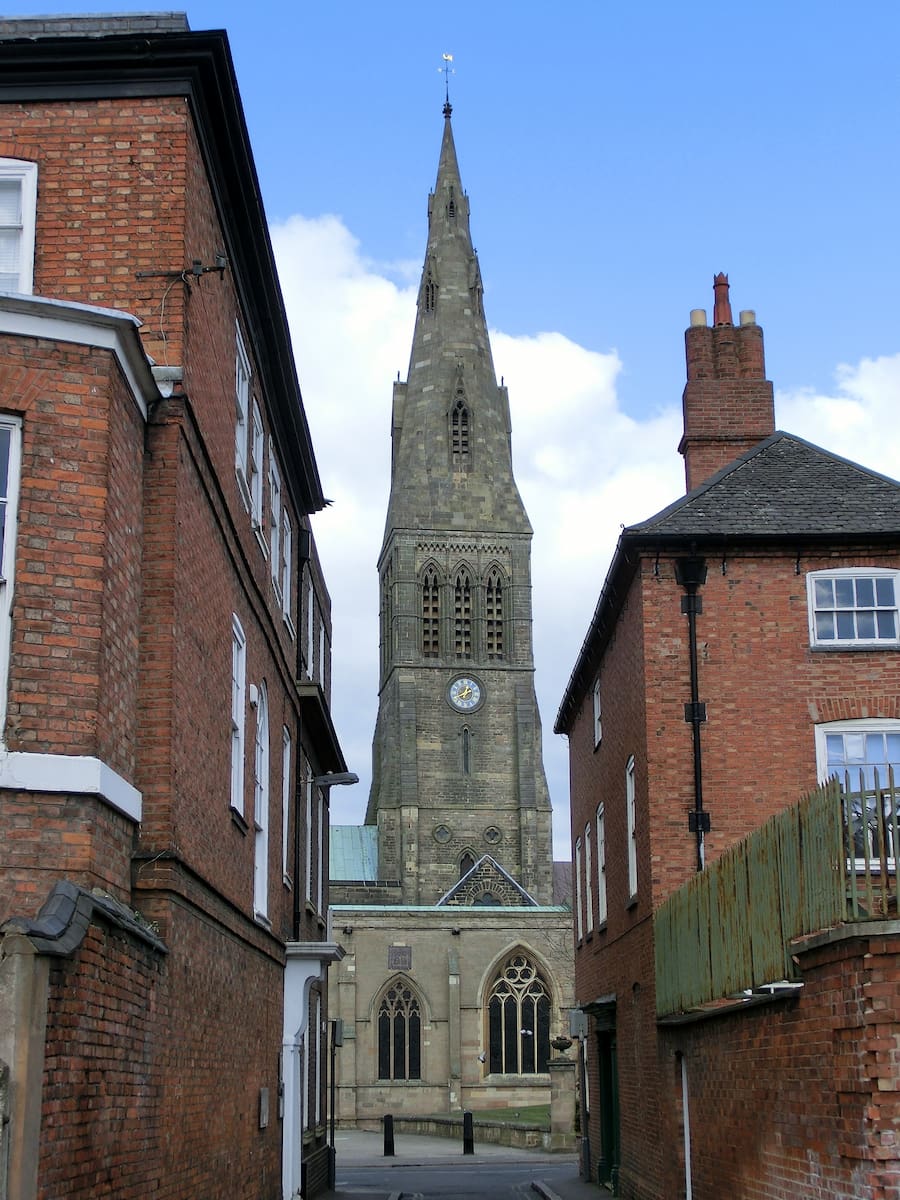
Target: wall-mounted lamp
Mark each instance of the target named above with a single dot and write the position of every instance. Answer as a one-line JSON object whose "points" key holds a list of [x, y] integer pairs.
{"points": [[336, 779]]}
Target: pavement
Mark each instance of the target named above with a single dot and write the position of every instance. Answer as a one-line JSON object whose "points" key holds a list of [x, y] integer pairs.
{"points": [[358, 1148]]}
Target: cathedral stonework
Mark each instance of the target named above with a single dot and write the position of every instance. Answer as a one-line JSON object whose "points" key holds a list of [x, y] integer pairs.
{"points": [[459, 818]]}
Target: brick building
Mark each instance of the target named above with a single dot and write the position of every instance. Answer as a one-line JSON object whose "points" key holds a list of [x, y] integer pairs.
{"points": [[744, 646], [167, 748], [458, 967]]}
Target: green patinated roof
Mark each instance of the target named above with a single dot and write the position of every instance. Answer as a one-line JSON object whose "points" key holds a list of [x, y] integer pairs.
{"points": [[353, 853]]}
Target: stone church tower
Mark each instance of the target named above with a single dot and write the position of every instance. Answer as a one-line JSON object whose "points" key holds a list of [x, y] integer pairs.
{"points": [[457, 768], [457, 969]]}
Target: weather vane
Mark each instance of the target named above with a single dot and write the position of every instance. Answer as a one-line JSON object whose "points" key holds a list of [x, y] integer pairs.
{"points": [[447, 70]]}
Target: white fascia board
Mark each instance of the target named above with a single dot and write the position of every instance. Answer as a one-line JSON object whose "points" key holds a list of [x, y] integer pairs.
{"points": [[84, 325], [76, 774]]}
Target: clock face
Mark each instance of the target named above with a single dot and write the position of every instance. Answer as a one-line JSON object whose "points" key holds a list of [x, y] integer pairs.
{"points": [[465, 693]]}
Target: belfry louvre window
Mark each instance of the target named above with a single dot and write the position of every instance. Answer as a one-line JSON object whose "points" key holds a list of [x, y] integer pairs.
{"points": [[459, 434], [399, 1034], [493, 615], [431, 615], [519, 1019], [854, 607], [462, 615]]}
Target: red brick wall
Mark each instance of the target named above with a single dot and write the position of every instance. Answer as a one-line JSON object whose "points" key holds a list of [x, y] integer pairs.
{"points": [[785, 1099], [135, 548], [222, 1044], [77, 552], [154, 1065], [111, 176], [101, 1121], [728, 403], [618, 959], [765, 690], [51, 836]]}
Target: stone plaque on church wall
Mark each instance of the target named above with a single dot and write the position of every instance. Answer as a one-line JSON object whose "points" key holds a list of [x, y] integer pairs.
{"points": [[399, 958]]}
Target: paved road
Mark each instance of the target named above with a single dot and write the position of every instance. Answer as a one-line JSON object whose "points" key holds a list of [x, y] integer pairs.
{"points": [[426, 1168]]}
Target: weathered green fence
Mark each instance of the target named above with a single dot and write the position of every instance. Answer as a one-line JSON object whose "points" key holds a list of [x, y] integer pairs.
{"points": [[823, 861]]}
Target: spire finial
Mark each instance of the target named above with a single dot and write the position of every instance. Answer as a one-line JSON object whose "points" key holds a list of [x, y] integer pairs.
{"points": [[447, 71], [722, 309]]}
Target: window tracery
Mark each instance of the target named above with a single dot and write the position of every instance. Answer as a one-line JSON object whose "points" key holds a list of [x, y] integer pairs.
{"points": [[519, 1019], [399, 1033], [462, 614], [431, 614], [493, 615]]}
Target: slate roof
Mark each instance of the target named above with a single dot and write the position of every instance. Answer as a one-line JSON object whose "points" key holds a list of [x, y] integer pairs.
{"points": [[783, 490], [783, 487]]}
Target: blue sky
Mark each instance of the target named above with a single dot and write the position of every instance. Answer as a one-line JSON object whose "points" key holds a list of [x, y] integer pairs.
{"points": [[616, 156]]}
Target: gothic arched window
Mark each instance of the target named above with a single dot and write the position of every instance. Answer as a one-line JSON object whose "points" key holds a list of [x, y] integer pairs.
{"points": [[519, 1019], [459, 434], [462, 614], [493, 614], [466, 863], [431, 614], [399, 1034], [387, 616], [429, 293]]}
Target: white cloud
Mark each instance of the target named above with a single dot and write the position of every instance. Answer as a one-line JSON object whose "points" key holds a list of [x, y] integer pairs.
{"points": [[859, 421], [584, 467]]}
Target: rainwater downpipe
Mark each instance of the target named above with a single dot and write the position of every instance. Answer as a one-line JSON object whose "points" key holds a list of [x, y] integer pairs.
{"points": [[691, 574]]}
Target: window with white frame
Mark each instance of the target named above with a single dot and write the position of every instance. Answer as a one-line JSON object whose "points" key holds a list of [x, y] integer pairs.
{"points": [[308, 835], [323, 652], [588, 882], [579, 911], [275, 518], [10, 461], [310, 625], [241, 415], [18, 207], [286, 751], [261, 807], [865, 756], [854, 606], [631, 820], [255, 469], [238, 708], [287, 567], [596, 712], [320, 852], [601, 865]]}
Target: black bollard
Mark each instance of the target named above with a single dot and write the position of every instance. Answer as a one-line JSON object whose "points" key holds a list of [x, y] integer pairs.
{"points": [[468, 1134], [388, 1135]]}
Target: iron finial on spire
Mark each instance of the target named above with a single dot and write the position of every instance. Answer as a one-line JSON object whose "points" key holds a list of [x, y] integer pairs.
{"points": [[447, 71]]}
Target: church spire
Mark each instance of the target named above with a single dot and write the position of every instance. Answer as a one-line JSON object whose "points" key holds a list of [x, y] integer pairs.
{"points": [[451, 424]]}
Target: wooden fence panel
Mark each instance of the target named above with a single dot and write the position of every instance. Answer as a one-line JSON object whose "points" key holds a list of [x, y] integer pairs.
{"points": [[729, 929]]}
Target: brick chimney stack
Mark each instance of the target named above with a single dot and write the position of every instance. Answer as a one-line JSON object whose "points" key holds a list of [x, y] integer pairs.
{"points": [[728, 402]]}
